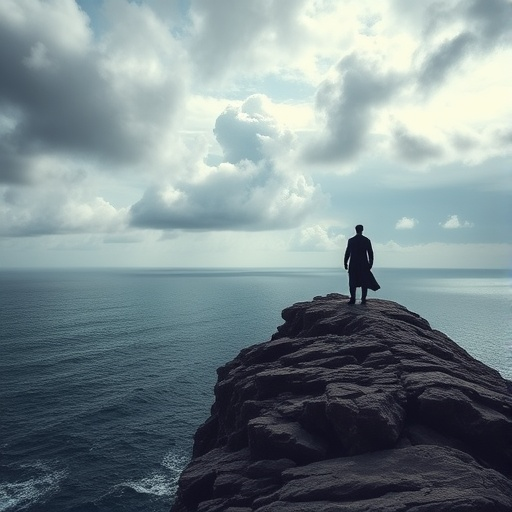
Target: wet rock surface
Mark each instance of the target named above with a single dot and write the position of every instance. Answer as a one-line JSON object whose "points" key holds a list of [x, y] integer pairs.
{"points": [[352, 409]]}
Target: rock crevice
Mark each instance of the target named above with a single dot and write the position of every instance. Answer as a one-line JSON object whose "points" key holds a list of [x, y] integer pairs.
{"points": [[352, 408]]}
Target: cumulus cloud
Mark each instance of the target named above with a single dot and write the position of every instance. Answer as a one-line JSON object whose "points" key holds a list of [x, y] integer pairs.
{"points": [[62, 92], [226, 200], [128, 98], [453, 222], [406, 223], [250, 132], [250, 190], [231, 197], [56, 211], [317, 238]]}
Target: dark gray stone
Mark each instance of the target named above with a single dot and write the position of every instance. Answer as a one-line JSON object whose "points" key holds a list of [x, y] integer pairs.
{"points": [[353, 409], [271, 439]]}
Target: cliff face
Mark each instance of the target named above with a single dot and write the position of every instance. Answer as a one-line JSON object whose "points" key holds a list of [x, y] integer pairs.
{"points": [[352, 409]]}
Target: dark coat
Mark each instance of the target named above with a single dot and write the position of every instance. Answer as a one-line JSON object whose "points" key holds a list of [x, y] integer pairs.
{"points": [[359, 257]]}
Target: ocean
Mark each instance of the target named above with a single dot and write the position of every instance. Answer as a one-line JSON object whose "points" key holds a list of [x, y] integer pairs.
{"points": [[106, 374]]}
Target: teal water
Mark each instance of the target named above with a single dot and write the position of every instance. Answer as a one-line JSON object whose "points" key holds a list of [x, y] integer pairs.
{"points": [[106, 374]]}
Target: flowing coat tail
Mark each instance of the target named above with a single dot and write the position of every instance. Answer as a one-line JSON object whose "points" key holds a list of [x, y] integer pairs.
{"points": [[371, 282]]}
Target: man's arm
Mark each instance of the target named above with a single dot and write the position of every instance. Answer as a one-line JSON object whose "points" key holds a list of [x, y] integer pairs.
{"points": [[347, 255], [370, 254]]}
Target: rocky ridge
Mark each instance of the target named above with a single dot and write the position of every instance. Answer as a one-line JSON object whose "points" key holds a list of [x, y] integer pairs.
{"points": [[352, 409]]}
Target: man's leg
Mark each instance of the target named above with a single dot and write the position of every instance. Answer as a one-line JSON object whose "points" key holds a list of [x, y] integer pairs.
{"points": [[364, 292], [352, 295]]}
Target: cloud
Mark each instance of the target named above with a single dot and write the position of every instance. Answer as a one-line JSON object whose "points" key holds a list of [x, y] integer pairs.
{"points": [[317, 238], [414, 149], [229, 34], [64, 93], [347, 102], [406, 223], [249, 132], [458, 31], [492, 19], [453, 222], [251, 190], [229, 199], [56, 211], [106, 118], [445, 59]]}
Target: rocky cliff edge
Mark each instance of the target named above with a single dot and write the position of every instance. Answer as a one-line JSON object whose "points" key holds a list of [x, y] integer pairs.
{"points": [[352, 409]]}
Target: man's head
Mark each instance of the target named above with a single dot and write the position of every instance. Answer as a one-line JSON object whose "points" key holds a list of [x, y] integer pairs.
{"points": [[359, 229]]}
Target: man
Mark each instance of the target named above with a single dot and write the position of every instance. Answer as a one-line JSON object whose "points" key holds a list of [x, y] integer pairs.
{"points": [[360, 254]]}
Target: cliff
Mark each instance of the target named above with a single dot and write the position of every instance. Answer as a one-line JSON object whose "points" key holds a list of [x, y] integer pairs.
{"points": [[352, 409]]}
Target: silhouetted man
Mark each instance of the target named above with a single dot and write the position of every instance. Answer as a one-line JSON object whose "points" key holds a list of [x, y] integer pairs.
{"points": [[360, 254]]}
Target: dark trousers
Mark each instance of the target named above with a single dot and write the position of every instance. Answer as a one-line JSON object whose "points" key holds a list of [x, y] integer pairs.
{"points": [[364, 292]]}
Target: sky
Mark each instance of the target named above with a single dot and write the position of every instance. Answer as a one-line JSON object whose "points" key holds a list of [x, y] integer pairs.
{"points": [[255, 133]]}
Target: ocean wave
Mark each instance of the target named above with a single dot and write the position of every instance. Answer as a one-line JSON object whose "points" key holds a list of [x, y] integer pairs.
{"points": [[161, 483], [35, 482], [175, 462], [157, 484]]}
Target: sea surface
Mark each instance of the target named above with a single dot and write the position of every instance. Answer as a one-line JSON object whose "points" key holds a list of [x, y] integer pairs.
{"points": [[106, 374]]}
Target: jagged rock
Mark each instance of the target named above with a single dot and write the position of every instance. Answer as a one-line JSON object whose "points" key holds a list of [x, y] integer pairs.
{"points": [[409, 479], [352, 409], [270, 439]]}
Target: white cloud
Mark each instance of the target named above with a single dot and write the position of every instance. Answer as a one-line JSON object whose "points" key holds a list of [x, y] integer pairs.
{"points": [[406, 223], [244, 196], [202, 116], [230, 35], [252, 189], [57, 211], [408, 85], [453, 222], [317, 238], [249, 131]]}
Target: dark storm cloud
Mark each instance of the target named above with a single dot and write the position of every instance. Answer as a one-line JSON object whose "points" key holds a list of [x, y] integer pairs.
{"points": [[67, 106], [347, 104], [61, 96], [12, 164]]}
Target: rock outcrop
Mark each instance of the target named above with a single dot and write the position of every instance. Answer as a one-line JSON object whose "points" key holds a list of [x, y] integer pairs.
{"points": [[352, 409]]}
